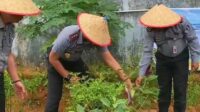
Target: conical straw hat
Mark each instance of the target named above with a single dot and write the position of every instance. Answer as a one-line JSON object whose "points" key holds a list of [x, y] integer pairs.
{"points": [[19, 7], [95, 29], [160, 17]]}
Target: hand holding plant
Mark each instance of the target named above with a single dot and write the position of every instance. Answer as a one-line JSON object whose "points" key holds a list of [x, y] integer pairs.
{"points": [[138, 81], [74, 79], [195, 66], [20, 90]]}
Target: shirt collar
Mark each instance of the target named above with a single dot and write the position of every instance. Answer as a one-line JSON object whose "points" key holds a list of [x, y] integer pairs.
{"points": [[1, 23]]}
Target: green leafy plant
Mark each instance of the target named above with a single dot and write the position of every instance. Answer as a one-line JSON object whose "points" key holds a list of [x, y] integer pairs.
{"points": [[103, 72], [34, 83], [147, 94], [97, 96], [193, 95], [47, 44], [8, 85], [60, 13]]}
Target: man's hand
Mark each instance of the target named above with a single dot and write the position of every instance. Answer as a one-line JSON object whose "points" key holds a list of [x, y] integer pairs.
{"points": [[74, 79], [195, 66], [138, 81], [20, 90]]}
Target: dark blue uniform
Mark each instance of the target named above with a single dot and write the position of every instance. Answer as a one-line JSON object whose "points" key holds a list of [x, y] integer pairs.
{"points": [[69, 45], [6, 39], [174, 44]]}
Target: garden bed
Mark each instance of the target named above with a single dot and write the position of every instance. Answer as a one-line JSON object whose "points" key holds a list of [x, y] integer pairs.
{"points": [[145, 99]]}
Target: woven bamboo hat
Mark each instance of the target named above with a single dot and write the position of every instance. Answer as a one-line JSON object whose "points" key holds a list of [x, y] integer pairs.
{"points": [[19, 7], [160, 17], [95, 29]]}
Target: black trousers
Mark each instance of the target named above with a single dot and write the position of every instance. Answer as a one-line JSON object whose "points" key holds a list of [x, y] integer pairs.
{"points": [[55, 82], [172, 72], [2, 93]]}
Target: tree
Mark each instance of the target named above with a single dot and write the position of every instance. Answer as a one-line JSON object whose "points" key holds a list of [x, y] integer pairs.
{"points": [[60, 13]]}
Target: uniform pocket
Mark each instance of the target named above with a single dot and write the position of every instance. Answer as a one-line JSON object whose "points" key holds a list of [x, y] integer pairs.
{"points": [[159, 38], [174, 33]]}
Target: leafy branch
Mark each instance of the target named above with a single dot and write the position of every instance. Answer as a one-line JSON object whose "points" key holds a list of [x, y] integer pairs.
{"points": [[60, 13]]}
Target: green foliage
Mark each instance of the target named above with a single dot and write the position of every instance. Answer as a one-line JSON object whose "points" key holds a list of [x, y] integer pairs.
{"points": [[8, 85], [194, 90], [103, 72], [31, 85], [144, 97], [194, 95], [147, 94], [34, 83], [105, 94], [100, 70], [47, 44], [60, 13], [97, 96]]}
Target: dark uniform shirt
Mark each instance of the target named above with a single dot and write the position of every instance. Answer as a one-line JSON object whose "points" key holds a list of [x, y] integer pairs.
{"points": [[69, 44], [170, 42], [6, 39]]}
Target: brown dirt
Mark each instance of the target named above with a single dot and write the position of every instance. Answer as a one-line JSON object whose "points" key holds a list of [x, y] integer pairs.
{"points": [[33, 102], [36, 102], [198, 108], [29, 72], [189, 109]]}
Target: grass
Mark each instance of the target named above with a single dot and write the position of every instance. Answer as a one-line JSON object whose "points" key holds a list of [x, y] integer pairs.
{"points": [[194, 90], [144, 98]]}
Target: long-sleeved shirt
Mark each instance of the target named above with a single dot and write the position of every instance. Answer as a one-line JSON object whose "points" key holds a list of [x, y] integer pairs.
{"points": [[171, 42], [6, 39], [70, 44]]}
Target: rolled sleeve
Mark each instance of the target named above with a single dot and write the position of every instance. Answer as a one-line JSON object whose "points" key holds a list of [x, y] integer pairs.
{"points": [[103, 49], [6, 38], [147, 54], [59, 47]]}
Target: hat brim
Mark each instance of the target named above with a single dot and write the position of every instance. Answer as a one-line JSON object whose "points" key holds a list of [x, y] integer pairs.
{"points": [[22, 14], [160, 16], [160, 26], [88, 36], [19, 7]]}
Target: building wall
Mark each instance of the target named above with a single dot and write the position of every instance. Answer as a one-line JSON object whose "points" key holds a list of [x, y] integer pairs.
{"points": [[130, 11], [145, 4], [130, 46]]}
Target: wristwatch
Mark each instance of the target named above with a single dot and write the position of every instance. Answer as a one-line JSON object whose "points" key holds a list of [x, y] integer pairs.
{"points": [[13, 82], [68, 78]]}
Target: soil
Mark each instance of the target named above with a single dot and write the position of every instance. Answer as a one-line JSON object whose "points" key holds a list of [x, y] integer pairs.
{"points": [[36, 102], [33, 102], [189, 109]]}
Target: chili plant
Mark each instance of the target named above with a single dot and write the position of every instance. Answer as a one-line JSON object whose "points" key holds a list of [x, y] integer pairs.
{"points": [[97, 96]]}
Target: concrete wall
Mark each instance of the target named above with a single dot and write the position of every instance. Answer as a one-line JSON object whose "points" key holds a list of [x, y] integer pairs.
{"points": [[145, 4], [129, 46]]}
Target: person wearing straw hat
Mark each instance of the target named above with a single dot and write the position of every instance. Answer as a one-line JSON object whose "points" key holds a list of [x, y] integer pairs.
{"points": [[175, 38], [11, 11], [65, 55]]}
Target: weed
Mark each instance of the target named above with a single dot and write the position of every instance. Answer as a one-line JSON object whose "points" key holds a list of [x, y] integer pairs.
{"points": [[98, 96]]}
